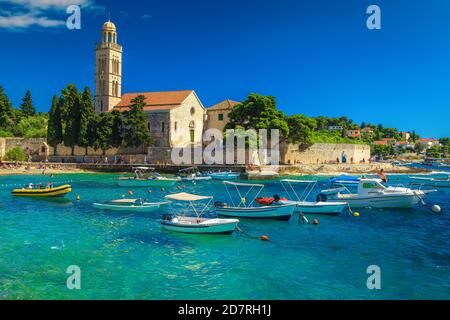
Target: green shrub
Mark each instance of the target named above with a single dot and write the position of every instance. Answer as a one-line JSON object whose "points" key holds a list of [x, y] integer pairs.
{"points": [[6, 134], [16, 154]]}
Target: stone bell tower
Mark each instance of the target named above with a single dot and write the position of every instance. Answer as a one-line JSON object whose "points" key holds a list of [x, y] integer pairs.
{"points": [[108, 70]]}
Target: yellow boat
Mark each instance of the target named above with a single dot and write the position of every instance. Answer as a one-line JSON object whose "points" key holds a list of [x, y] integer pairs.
{"points": [[60, 191]]}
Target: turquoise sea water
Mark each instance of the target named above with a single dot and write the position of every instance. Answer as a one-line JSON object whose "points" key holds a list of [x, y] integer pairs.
{"points": [[126, 256]]}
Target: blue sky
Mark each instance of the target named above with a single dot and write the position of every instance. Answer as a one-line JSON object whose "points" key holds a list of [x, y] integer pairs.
{"points": [[316, 57]]}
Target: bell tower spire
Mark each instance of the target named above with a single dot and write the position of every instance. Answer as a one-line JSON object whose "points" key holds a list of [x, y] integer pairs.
{"points": [[108, 70]]}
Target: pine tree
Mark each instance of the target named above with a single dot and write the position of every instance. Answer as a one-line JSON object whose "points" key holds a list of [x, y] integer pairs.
{"points": [[54, 129], [27, 106], [71, 116], [6, 112], [87, 114], [137, 133]]}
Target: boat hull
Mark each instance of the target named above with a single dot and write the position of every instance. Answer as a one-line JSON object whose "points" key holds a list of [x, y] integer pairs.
{"points": [[223, 176], [386, 201], [196, 178], [325, 208], [145, 183], [277, 212], [431, 182], [213, 226], [133, 208], [53, 192]]}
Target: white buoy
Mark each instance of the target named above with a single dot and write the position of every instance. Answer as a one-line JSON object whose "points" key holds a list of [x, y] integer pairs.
{"points": [[436, 208]]}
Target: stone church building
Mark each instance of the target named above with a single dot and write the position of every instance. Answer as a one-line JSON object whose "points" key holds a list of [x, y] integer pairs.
{"points": [[175, 118]]}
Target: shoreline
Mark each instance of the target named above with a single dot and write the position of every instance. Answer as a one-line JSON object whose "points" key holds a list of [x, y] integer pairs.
{"points": [[284, 170]]}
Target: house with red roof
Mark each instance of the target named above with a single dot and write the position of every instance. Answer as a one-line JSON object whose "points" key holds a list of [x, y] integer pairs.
{"points": [[428, 142], [353, 133]]}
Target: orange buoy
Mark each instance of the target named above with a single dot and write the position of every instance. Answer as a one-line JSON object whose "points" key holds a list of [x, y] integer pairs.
{"points": [[130, 193], [316, 222], [265, 238]]}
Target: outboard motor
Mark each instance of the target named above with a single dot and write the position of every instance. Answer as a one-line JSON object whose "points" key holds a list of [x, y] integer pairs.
{"points": [[276, 198], [166, 217], [220, 204], [321, 197]]}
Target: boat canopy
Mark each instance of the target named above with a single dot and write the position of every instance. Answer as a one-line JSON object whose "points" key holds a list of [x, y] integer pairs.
{"points": [[298, 181], [239, 184], [310, 186], [183, 196], [243, 196]]}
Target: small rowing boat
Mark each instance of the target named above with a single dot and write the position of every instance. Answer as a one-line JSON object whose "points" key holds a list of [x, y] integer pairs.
{"points": [[228, 175], [39, 190], [146, 177], [136, 205], [431, 181]]}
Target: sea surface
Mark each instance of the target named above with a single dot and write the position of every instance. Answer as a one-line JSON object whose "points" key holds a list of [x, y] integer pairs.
{"points": [[128, 256]]}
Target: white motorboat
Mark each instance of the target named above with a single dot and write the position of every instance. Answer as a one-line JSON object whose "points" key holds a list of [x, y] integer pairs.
{"points": [[197, 224], [278, 211], [431, 181], [192, 174], [372, 193], [312, 207], [146, 177], [136, 205]]}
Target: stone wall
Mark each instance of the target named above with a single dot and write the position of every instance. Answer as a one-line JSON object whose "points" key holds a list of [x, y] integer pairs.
{"points": [[32, 146], [323, 153]]}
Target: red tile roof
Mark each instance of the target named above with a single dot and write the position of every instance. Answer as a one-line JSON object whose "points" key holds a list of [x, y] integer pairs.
{"points": [[428, 140], [381, 142], [388, 139], [165, 100]]}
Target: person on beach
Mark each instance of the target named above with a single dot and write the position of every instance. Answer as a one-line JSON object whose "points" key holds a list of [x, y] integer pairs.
{"points": [[382, 176]]}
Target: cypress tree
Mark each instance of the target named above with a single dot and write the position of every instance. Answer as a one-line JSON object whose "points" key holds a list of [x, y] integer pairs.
{"points": [[87, 114], [54, 129], [117, 128], [71, 108], [6, 112]]}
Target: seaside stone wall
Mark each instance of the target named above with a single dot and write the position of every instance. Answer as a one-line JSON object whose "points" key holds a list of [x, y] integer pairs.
{"points": [[321, 153]]}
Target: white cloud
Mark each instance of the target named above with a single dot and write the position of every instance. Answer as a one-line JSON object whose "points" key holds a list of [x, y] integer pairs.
{"points": [[27, 20], [48, 4], [21, 14]]}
